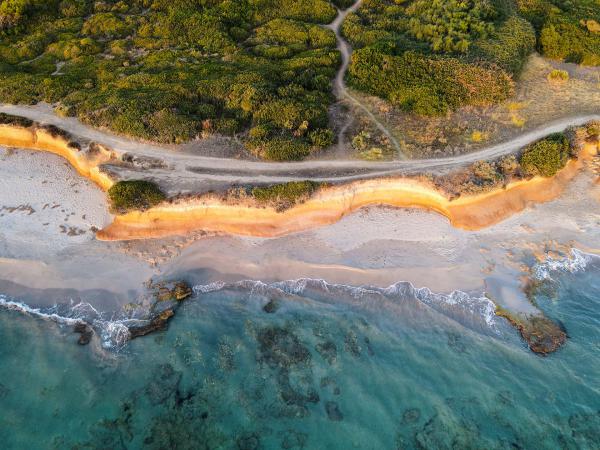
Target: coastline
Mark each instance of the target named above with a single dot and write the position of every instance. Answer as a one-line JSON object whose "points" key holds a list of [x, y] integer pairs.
{"points": [[376, 246], [86, 163], [329, 205], [468, 212]]}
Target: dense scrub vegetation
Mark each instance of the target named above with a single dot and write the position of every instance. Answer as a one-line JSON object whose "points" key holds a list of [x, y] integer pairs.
{"points": [[285, 195], [433, 56], [546, 157], [568, 29], [171, 70], [427, 86], [134, 195]]}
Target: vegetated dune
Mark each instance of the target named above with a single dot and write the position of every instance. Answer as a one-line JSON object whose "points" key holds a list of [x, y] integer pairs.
{"points": [[470, 212], [86, 162]]}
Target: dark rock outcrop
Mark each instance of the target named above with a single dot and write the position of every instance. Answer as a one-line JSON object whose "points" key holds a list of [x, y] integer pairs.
{"points": [[158, 323], [85, 333]]}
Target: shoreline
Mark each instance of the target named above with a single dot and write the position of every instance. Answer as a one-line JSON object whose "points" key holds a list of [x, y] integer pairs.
{"points": [[375, 246]]}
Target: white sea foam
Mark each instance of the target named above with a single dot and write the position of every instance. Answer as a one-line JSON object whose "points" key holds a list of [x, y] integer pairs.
{"points": [[114, 334], [206, 288], [5, 302], [478, 311], [576, 261]]}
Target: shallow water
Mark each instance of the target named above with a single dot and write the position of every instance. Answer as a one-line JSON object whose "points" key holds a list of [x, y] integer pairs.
{"points": [[328, 367]]}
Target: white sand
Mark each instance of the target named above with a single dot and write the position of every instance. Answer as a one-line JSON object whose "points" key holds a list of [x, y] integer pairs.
{"points": [[381, 246], [378, 246], [47, 212]]}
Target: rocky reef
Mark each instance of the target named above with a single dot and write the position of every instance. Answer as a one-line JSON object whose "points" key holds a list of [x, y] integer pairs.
{"points": [[150, 313], [165, 297], [543, 336]]}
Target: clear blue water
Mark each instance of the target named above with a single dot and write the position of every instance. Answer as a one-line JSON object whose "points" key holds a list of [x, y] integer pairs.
{"points": [[332, 367]]}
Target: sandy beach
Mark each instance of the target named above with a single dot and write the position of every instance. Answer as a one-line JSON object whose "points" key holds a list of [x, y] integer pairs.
{"points": [[48, 214], [47, 247]]}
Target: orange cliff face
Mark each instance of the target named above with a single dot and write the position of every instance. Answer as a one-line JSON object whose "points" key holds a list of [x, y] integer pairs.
{"points": [[471, 212], [87, 164]]}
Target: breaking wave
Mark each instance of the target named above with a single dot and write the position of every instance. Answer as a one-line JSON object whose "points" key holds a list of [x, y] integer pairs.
{"points": [[473, 311], [114, 334], [576, 261]]}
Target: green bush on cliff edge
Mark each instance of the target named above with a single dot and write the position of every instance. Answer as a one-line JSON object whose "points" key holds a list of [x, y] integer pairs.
{"points": [[546, 157], [134, 195]]}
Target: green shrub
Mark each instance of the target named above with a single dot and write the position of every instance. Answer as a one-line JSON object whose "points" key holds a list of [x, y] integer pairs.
{"points": [[509, 46], [134, 195], [321, 138], [425, 85], [285, 195], [282, 149], [450, 25], [570, 42], [8, 119], [107, 25], [559, 76], [546, 157]]}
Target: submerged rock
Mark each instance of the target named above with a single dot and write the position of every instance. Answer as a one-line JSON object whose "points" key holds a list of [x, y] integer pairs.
{"points": [[585, 428], [156, 324], [455, 342], [85, 333], [328, 351], [411, 416], [352, 345], [248, 441], [294, 439], [3, 391], [271, 307], [163, 384], [281, 348], [292, 396], [333, 412]]}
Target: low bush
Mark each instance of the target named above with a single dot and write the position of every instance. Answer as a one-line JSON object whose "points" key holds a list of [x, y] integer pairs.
{"points": [[570, 42], [558, 76], [285, 195], [509, 45], [281, 149], [134, 195], [547, 156], [8, 119]]}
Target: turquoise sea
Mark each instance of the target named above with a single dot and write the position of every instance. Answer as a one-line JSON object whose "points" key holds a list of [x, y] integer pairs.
{"points": [[308, 365]]}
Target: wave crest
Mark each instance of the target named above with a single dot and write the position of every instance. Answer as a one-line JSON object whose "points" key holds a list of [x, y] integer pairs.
{"points": [[473, 311], [576, 261]]}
